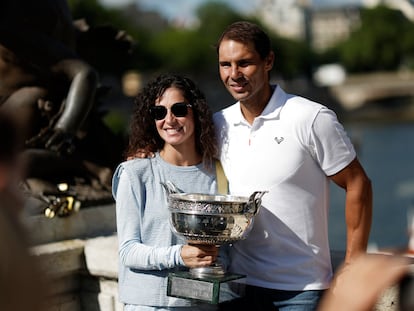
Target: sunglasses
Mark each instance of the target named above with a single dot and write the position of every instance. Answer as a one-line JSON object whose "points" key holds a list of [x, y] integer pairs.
{"points": [[178, 110]]}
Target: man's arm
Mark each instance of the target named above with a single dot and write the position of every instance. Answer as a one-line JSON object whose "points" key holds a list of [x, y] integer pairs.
{"points": [[358, 204]]}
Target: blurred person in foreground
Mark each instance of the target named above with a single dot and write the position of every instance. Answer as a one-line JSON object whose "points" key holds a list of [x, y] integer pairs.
{"points": [[361, 284], [172, 120], [22, 286], [291, 147]]}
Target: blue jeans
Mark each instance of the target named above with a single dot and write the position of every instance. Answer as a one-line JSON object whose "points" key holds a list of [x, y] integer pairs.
{"points": [[263, 299], [297, 300]]}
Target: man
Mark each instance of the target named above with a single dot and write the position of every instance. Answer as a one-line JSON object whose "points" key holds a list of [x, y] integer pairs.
{"points": [[293, 148]]}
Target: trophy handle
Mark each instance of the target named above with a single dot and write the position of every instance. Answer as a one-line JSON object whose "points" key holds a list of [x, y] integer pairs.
{"points": [[254, 203]]}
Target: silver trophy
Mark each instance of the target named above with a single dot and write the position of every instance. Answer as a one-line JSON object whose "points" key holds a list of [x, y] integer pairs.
{"points": [[208, 219]]}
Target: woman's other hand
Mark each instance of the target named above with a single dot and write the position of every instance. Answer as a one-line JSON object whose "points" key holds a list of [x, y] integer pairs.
{"points": [[199, 255]]}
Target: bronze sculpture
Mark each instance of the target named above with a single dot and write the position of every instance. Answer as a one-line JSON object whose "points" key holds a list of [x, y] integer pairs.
{"points": [[54, 92]]}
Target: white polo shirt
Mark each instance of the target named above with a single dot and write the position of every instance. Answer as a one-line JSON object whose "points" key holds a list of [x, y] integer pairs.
{"points": [[289, 150]]}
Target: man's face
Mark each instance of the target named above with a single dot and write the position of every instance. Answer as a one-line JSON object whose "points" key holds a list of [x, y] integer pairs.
{"points": [[242, 71]]}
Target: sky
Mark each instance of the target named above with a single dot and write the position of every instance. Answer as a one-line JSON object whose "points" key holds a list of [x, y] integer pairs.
{"points": [[184, 10]]}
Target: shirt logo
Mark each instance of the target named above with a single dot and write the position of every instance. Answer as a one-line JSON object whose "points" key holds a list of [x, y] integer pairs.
{"points": [[279, 139]]}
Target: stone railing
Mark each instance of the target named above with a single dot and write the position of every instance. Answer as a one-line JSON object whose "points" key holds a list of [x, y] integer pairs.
{"points": [[79, 256]]}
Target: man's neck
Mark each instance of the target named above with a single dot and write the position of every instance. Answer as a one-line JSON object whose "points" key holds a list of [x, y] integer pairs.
{"points": [[253, 107]]}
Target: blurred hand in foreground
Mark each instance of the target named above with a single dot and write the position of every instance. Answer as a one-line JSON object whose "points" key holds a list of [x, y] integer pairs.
{"points": [[358, 285]]}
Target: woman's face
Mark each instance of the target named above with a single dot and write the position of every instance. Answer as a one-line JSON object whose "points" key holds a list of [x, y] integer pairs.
{"points": [[175, 130]]}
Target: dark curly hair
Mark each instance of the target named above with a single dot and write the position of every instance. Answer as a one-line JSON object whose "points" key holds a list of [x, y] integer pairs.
{"points": [[143, 132]]}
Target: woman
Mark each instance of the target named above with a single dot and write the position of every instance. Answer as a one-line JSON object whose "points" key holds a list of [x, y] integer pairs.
{"points": [[173, 120]]}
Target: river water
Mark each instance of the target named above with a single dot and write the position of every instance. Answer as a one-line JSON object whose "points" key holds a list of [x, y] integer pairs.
{"points": [[386, 151]]}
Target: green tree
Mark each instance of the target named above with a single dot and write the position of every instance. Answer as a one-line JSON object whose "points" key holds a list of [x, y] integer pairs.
{"points": [[192, 50], [384, 41], [189, 50], [292, 57], [214, 17], [176, 50]]}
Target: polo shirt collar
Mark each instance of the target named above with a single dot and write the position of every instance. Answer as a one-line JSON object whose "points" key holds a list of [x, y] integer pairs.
{"points": [[272, 109]]}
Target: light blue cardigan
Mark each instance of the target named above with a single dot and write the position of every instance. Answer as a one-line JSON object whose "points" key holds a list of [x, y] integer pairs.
{"points": [[148, 249]]}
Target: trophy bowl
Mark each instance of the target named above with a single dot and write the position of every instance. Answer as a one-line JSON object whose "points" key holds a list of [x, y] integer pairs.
{"points": [[212, 219]]}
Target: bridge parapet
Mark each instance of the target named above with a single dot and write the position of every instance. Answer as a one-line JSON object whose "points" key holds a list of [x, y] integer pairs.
{"points": [[359, 90]]}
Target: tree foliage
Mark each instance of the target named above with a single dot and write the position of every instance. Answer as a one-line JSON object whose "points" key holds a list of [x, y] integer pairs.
{"points": [[190, 50], [384, 41]]}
